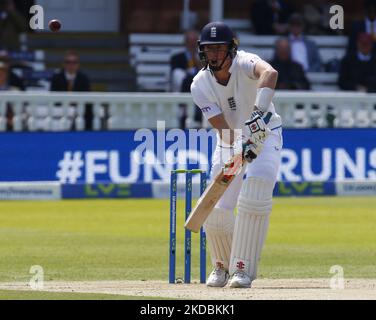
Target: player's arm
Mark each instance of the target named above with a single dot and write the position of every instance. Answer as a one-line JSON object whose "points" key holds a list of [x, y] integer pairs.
{"points": [[219, 123], [212, 113], [267, 80], [266, 74]]}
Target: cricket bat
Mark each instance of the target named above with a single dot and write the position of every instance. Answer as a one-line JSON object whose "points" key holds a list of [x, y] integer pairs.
{"points": [[213, 193]]}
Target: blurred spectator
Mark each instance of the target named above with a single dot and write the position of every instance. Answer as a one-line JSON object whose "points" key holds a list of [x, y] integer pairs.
{"points": [[317, 17], [12, 24], [5, 85], [291, 75], [270, 16], [71, 79], [13, 81], [184, 66], [367, 25], [303, 50], [358, 69]]}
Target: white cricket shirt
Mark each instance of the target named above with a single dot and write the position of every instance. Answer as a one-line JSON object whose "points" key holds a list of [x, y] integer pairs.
{"points": [[234, 100]]}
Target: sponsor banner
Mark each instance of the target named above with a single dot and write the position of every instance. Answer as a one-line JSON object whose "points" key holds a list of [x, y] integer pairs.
{"points": [[30, 191], [125, 157], [161, 190], [146, 156], [106, 191], [328, 155], [356, 188], [304, 189]]}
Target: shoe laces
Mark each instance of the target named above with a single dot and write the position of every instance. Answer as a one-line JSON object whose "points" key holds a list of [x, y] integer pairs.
{"points": [[241, 274], [218, 271]]}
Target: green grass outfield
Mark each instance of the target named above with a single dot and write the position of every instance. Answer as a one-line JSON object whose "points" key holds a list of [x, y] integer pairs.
{"points": [[128, 239]]}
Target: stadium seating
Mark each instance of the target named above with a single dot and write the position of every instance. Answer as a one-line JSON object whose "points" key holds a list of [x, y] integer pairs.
{"points": [[103, 55], [31, 59], [150, 55], [30, 66]]}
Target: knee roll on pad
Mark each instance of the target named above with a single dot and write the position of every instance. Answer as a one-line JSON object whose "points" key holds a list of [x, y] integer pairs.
{"points": [[256, 196], [220, 220]]}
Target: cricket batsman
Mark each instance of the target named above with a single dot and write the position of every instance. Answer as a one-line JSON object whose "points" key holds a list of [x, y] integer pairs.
{"points": [[234, 91]]}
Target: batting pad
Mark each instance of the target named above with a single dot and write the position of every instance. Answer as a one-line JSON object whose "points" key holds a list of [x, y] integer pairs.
{"points": [[219, 227], [251, 225]]}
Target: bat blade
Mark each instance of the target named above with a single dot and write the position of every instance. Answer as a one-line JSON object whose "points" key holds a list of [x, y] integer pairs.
{"points": [[213, 193]]}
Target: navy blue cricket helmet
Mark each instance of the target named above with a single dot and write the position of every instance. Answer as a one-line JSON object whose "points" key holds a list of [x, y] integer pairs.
{"points": [[217, 33]]}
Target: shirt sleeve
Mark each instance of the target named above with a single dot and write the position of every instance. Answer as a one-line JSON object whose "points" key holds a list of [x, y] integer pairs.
{"points": [[209, 108], [247, 63]]}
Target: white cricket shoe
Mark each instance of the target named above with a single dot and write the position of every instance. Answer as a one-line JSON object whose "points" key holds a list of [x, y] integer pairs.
{"points": [[240, 280], [218, 278]]}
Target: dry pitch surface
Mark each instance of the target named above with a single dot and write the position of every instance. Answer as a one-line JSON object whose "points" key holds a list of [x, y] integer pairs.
{"points": [[263, 289]]}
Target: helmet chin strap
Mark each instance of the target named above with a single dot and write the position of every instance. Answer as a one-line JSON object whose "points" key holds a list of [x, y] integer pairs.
{"points": [[219, 68]]}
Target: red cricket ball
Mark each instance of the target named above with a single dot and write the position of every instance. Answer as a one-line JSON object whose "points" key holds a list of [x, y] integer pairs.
{"points": [[54, 25]]}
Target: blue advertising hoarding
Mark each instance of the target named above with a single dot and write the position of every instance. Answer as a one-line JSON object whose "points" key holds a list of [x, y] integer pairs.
{"points": [[121, 157], [312, 155], [328, 155]]}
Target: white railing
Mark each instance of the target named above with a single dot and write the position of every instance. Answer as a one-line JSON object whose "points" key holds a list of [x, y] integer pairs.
{"points": [[118, 111]]}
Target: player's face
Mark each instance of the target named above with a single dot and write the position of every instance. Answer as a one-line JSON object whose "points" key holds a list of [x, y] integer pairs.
{"points": [[216, 53]]}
